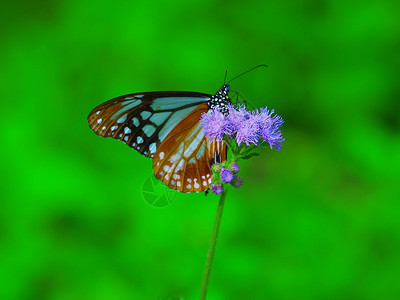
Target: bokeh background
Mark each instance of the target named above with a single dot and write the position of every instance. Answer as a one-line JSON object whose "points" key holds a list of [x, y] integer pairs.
{"points": [[318, 220]]}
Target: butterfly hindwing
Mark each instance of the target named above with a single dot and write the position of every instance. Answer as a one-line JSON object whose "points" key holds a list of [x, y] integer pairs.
{"points": [[143, 120], [183, 159]]}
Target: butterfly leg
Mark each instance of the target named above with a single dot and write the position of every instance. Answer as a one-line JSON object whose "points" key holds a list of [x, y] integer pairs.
{"points": [[237, 98], [216, 159]]}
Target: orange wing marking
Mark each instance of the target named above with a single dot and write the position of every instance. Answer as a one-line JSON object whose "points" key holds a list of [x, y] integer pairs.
{"points": [[183, 160]]}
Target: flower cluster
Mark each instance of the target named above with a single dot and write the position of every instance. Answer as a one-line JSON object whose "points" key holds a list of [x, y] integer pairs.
{"points": [[241, 130], [225, 173], [248, 127]]}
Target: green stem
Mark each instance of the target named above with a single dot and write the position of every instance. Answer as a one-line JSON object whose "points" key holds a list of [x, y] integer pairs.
{"points": [[211, 249], [245, 151]]}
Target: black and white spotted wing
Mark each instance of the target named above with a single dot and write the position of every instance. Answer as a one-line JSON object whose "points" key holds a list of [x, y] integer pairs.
{"points": [[143, 120]]}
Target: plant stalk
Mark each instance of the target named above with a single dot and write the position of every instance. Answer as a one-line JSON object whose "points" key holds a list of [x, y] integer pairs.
{"points": [[211, 249]]}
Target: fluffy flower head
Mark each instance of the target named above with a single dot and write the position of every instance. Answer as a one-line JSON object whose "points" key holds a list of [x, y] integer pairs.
{"points": [[235, 167], [269, 126], [248, 127], [217, 189], [226, 175], [215, 125], [237, 182]]}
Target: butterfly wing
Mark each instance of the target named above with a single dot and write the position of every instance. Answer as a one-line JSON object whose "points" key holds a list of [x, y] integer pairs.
{"points": [[143, 120], [184, 158]]}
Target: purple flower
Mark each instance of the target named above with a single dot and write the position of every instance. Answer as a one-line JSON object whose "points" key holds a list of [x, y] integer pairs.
{"points": [[226, 175], [215, 125], [244, 124], [269, 126], [248, 131], [235, 167], [216, 188], [248, 127], [235, 117], [237, 182]]}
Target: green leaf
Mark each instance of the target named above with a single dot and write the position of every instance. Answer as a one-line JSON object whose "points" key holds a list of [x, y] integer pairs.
{"points": [[228, 142], [215, 168], [235, 146], [250, 155], [264, 146], [226, 164]]}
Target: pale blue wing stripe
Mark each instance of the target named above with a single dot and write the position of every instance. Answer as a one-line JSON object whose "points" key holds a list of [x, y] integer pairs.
{"points": [[127, 107], [174, 120], [168, 103]]}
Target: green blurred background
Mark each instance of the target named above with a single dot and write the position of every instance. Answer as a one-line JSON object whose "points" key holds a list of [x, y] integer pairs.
{"points": [[318, 220]]}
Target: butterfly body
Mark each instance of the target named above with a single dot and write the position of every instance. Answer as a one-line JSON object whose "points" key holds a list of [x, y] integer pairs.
{"points": [[165, 126]]}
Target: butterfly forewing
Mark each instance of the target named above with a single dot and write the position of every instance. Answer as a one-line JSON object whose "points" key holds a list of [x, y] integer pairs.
{"points": [[143, 120], [183, 159]]}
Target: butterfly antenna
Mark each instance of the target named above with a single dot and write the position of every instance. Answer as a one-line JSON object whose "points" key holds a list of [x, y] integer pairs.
{"points": [[226, 74], [246, 72]]}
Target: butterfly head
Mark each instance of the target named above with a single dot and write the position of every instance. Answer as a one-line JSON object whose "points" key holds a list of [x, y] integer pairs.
{"points": [[223, 91], [221, 99]]}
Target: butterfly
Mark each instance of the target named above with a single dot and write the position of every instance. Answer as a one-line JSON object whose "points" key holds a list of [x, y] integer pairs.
{"points": [[165, 126]]}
